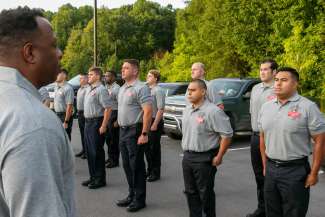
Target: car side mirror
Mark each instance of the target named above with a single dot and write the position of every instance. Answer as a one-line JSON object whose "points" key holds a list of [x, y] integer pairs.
{"points": [[247, 95]]}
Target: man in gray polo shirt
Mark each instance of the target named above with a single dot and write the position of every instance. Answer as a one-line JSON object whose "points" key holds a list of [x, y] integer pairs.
{"points": [[134, 118], [37, 168], [97, 111], [206, 136], [260, 94], [198, 72], [112, 135], [45, 96], [153, 152], [63, 101], [83, 79], [287, 124]]}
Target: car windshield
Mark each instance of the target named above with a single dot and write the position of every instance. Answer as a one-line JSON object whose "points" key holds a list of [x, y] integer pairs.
{"points": [[74, 81], [227, 88], [173, 89]]}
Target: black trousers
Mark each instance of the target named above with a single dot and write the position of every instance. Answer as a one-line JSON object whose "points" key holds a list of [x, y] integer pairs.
{"points": [[94, 144], [285, 192], [112, 139], [199, 175], [81, 123], [61, 115], [153, 151], [133, 162], [257, 165]]}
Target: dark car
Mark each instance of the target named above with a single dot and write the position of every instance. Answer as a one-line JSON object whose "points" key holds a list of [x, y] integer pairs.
{"points": [[235, 93]]}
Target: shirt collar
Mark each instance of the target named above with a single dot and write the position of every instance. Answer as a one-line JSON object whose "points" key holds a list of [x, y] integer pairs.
{"points": [[13, 76], [203, 105], [132, 84], [263, 85], [294, 98], [97, 84]]}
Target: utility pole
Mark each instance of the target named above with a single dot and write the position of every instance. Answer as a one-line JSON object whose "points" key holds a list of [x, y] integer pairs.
{"points": [[95, 33]]}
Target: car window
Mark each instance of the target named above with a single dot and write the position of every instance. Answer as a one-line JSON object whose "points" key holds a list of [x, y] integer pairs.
{"points": [[227, 88], [173, 89], [74, 81]]}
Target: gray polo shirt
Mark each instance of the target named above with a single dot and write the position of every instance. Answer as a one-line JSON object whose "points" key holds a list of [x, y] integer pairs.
{"points": [[203, 126], [260, 94], [81, 97], [158, 99], [44, 94], [63, 96], [37, 162], [131, 98], [212, 94], [96, 101], [113, 90], [288, 128]]}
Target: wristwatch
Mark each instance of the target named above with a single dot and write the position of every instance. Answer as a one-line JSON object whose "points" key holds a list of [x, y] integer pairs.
{"points": [[144, 134], [66, 121]]}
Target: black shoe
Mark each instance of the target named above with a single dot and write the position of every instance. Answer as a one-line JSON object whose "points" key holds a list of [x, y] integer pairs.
{"points": [[80, 154], [124, 202], [134, 207], [86, 183], [84, 156], [107, 161], [153, 178], [111, 165], [96, 184], [257, 213]]}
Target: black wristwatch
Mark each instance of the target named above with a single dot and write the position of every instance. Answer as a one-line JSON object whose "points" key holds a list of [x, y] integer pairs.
{"points": [[66, 121], [144, 134]]}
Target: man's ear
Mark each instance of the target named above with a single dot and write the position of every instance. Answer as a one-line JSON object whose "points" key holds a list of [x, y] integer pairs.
{"points": [[28, 53]]}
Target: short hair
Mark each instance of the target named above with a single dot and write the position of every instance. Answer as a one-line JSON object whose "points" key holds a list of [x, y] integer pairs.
{"points": [[201, 65], [112, 72], [64, 71], [133, 62], [274, 65], [155, 73], [201, 83], [293, 72], [97, 70], [16, 27]]}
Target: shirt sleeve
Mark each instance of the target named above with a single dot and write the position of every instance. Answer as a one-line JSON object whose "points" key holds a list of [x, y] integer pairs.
{"points": [[104, 98], [220, 123], [316, 120], [69, 96], [160, 96], [44, 94], [33, 177], [144, 95]]}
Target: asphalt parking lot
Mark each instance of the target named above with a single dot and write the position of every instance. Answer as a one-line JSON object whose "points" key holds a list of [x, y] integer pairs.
{"points": [[234, 186]]}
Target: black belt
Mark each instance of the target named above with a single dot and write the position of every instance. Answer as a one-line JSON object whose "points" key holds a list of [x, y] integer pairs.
{"points": [[282, 163], [80, 112], [130, 126], [93, 119], [60, 113], [255, 133], [214, 150]]}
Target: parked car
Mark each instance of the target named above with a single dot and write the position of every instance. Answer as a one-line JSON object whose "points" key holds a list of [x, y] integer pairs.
{"points": [[175, 88], [235, 93]]}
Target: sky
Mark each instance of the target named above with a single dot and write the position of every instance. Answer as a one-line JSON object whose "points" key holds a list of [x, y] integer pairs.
{"points": [[53, 5]]}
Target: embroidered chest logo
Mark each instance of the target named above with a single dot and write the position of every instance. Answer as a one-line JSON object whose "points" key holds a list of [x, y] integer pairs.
{"points": [[271, 97], [199, 119], [129, 93], [93, 93], [294, 113]]}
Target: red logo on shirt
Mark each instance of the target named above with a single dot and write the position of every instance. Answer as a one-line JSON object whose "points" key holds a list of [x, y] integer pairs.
{"points": [[294, 114], [271, 97], [129, 93], [200, 120], [92, 93]]}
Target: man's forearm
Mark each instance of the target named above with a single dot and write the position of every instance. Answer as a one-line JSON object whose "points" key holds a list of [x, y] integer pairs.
{"points": [[147, 114], [158, 117], [318, 153], [68, 112], [107, 116], [262, 149], [224, 144]]}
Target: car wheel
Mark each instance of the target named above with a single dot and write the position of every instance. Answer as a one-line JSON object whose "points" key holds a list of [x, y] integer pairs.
{"points": [[174, 136]]}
